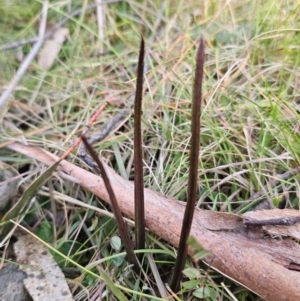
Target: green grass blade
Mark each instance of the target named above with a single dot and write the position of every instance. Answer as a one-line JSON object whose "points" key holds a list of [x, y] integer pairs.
{"points": [[29, 193], [115, 290]]}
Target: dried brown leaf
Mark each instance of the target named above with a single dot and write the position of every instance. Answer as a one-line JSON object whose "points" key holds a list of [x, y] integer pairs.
{"points": [[45, 280], [51, 48], [9, 181]]}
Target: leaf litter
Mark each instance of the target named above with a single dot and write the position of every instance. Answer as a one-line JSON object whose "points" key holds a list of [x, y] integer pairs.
{"points": [[45, 281], [51, 48]]}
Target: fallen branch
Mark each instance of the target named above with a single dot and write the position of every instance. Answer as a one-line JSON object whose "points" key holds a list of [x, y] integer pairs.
{"points": [[241, 252]]}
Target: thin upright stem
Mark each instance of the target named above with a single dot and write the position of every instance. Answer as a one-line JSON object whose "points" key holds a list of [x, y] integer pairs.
{"points": [[138, 156], [193, 171]]}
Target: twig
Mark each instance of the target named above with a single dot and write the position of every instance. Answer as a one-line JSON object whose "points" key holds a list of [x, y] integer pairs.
{"points": [[99, 137], [85, 130], [283, 221], [93, 118], [24, 66]]}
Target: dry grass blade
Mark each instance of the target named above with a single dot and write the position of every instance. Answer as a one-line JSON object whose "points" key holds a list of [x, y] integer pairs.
{"points": [[117, 212], [27, 61], [51, 48], [193, 172], [138, 159]]}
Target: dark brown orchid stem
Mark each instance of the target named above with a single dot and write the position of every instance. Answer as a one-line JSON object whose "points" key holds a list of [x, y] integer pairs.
{"points": [[139, 206], [115, 207], [193, 172]]}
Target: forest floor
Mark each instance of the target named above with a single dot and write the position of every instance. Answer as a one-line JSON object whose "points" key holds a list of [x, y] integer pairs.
{"points": [[249, 130]]}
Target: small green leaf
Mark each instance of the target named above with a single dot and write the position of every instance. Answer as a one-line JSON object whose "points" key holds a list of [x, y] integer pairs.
{"points": [[206, 292], [192, 273], [118, 261], [94, 224], [202, 292], [115, 243], [213, 294], [44, 231], [191, 284]]}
